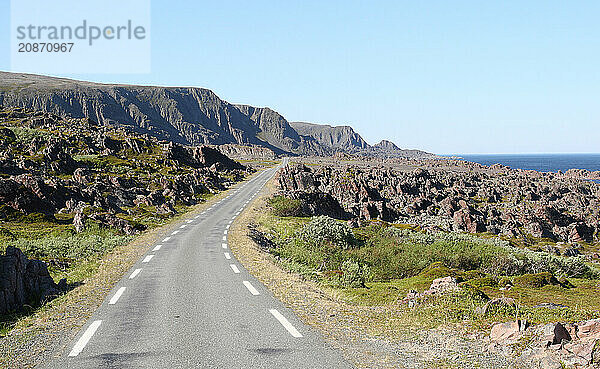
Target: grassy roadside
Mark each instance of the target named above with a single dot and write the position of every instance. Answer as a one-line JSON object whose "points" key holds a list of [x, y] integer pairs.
{"points": [[35, 338], [369, 324], [361, 332]]}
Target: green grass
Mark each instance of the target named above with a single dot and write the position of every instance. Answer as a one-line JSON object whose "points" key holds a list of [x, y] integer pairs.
{"points": [[26, 135], [399, 259]]}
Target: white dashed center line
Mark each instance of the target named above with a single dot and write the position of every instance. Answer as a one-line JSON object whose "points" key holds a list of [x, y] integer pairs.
{"points": [[147, 258], [189, 221], [157, 247], [135, 273], [251, 288], [80, 345], [116, 297], [234, 268], [174, 233], [227, 256], [285, 323], [167, 239], [183, 226]]}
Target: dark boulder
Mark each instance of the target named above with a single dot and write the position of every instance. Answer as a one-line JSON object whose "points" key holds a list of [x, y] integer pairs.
{"points": [[23, 281]]}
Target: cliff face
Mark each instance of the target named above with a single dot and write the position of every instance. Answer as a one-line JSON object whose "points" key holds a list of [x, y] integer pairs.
{"points": [[340, 138], [186, 115], [345, 139], [276, 130]]}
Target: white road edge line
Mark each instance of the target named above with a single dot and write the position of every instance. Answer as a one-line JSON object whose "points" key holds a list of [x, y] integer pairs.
{"points": [[147, 258], [234, 268], [157, 247], [174, 233], [167, 239], [224, 238], [183, 226], [82, 342], [227, 256], [189, 221], [224, 245], [285, 323], [228, 225], [225, 232], [116, 297], [135, 273], [251, 288]]}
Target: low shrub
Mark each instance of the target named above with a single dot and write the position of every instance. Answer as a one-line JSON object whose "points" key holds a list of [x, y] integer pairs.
{"points": [[482, 282], [94, 241], [323, 229], [535, 280], [354, 274], [285, 207]]}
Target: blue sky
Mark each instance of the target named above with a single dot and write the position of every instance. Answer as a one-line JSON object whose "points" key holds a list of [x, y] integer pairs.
{"points": [[443, 76]]}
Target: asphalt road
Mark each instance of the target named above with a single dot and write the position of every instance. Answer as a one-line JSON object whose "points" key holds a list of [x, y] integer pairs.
{"points": [[188, 303]]}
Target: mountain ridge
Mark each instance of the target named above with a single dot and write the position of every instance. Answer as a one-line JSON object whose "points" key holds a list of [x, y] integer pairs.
{"points": [[185, 115]]}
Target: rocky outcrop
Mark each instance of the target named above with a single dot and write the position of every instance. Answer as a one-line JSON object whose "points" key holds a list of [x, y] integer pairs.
{"points": [[513, 203], [240, 152], [354, 197], [199, 157], [438, 287], [24, 281]]}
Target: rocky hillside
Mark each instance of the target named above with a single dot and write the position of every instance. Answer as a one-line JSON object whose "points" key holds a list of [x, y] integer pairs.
{"points": [[72, 170], [526, 206], [186, 115]]}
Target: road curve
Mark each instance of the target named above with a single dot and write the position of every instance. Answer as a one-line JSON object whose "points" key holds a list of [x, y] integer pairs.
{"points": [[188, 303]]}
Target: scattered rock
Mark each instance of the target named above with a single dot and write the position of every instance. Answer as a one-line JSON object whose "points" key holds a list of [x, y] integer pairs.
{"points": [[508, 332]]}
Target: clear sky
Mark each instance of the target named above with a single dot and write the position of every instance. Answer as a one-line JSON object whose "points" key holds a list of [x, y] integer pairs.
{"points": [[443, 76]]}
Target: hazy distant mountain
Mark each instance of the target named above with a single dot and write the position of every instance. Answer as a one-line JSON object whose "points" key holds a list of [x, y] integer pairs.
{"points": [[187, 115]]}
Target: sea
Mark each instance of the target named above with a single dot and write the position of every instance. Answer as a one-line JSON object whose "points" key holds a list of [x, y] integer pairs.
{"points": [[539, 162]]}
